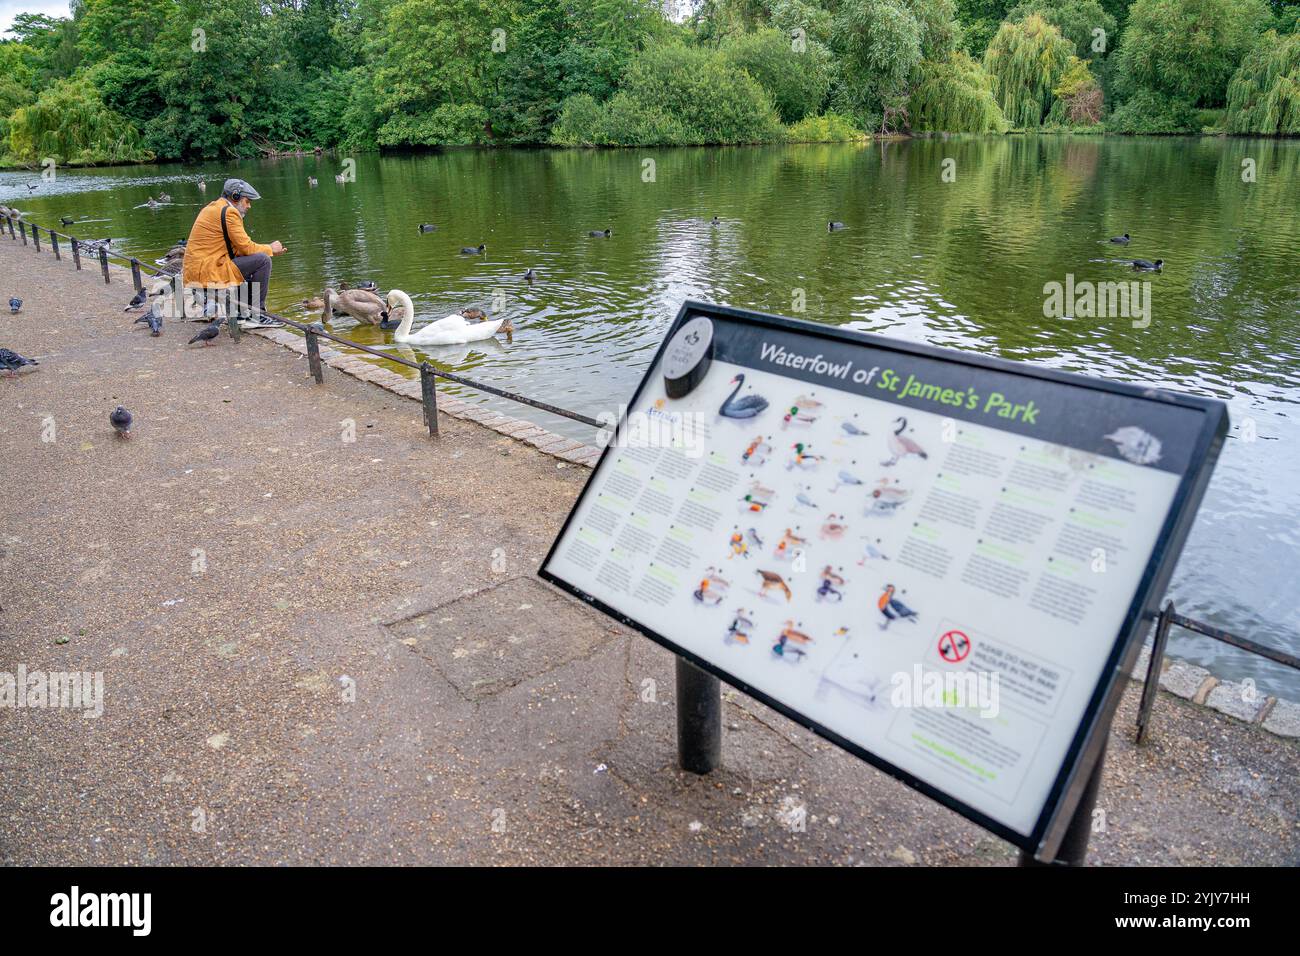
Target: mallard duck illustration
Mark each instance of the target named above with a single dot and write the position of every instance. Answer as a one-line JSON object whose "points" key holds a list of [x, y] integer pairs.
{"points": [[802, 457]]}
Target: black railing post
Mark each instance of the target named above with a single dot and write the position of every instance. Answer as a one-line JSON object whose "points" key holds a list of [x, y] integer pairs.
{"points": [[313, 353], [699, 718], [1152, 686], [135, 274], [103, 263], [429, 398], [76, 253], [22, 231], [54, 243], [11, 229], [36, 237]]}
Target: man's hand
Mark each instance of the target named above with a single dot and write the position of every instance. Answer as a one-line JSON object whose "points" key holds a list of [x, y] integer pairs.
{"points": [[277, 247]]}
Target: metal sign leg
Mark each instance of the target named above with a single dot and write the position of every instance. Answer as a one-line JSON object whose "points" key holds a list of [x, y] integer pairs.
{"points": [[1074, 845], [699, 718]]}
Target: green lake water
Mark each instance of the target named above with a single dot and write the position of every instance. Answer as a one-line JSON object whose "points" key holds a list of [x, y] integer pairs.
{"points": [[958, 263]]}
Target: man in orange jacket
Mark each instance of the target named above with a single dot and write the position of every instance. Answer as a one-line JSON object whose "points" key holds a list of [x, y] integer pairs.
{"points": [[219, 253]]}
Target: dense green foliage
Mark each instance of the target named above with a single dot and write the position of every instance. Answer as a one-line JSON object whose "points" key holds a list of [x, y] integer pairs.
{"points": [[218, 78], [955, 96], [1027, 60], [1264, 95]]}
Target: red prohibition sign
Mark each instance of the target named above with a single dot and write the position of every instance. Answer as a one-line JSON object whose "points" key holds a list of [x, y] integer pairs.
{"points": [[954, 646]]}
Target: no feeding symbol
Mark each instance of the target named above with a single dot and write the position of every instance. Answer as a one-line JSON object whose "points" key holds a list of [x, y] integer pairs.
{"points": [[954, 646]]}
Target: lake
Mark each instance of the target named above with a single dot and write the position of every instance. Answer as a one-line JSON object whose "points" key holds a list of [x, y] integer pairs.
{"points": [[947, 242]]}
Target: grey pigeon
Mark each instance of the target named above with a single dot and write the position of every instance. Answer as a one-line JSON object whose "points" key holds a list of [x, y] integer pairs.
{"points": [[15, 305], [11, 361], [207, 333], [152, 318], [120, 419], [137, 300]]}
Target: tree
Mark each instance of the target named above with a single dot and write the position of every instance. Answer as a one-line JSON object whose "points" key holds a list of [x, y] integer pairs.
{"points": [[955, 95], [1078, 21], [1264, 94], [1026, 61], [70, 123], [878, 45], [674, 95], [1188, 49], [796, 78]]}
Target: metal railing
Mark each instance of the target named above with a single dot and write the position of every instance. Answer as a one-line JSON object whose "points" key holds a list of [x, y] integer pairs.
{"points": [[314, 332], [1167, 618]]}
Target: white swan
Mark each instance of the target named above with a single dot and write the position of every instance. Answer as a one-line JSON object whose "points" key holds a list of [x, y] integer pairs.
{"points": [[455, 329]]}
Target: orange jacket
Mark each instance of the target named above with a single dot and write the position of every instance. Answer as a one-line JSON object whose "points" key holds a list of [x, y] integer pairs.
{"points": [[207, 262]]}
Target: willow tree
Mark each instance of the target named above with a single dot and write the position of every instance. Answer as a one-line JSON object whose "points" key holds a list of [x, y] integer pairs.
{"points": [[1264, 95], [70, 123], [955, 96], [1026, 61], [1188, 48]]}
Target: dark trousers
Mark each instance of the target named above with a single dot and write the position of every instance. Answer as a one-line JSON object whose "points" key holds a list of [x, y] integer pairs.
{"points": [[257, 273]]}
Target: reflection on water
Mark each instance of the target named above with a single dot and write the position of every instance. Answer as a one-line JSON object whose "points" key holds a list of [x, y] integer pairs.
{"points": [[960, 264]]}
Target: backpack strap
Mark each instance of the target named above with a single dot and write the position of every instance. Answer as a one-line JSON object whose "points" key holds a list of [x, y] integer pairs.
{"points": [[225, 233]]}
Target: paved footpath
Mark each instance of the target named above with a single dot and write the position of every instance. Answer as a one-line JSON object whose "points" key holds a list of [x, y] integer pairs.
{"points": [[238, 572]]}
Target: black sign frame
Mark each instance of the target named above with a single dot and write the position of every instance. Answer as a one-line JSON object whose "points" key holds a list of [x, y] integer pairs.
{"points": [[1089, 739]]}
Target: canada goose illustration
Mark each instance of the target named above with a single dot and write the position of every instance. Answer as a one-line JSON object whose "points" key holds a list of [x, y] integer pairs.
{"points": [[900, 446]]}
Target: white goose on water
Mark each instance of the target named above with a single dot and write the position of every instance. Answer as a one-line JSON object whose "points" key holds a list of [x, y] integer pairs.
{"points": [[455, 329]]}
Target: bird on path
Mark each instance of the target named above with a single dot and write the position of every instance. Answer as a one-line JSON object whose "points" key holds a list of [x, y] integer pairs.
{"points": [[207, 333], [11, 361], [15, 305], [120, 419], [152, 318], [137, 300]]}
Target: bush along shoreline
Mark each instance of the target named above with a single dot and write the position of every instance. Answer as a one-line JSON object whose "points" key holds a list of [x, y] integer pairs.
{"points": [[127, 81]]}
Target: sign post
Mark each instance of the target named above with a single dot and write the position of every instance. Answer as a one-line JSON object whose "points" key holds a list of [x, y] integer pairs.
{"points": [[941, 562]]}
